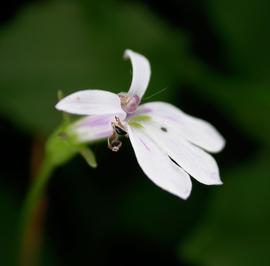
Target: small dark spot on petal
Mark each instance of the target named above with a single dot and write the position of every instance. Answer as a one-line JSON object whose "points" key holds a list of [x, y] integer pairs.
{"points": [[164, 129]]}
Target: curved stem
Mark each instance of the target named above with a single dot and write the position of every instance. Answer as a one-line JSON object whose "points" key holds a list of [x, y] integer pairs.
{"points": [[33, 199]]}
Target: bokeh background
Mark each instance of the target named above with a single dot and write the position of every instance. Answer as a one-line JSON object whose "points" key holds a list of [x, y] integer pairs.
{"points": [[213, 57]]}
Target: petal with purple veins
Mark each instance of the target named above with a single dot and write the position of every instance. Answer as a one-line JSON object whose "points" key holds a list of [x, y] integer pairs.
{"points": [[157, 165], [92, 128], [193, 129], [195, 161]]}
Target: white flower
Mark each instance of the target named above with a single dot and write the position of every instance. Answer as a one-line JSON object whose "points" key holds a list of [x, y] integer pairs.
{"points": [[170, 146]]}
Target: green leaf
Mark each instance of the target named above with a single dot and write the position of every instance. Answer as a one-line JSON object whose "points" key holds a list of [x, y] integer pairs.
{"points": [[243, 95], [245, 102], [244, 30]]}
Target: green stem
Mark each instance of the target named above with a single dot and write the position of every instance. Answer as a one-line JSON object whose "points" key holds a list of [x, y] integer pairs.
{"points": [[33, 198]]}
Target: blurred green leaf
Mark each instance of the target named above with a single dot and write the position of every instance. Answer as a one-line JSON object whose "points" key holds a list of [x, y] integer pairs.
{"points": [[235, 230], [244, 93], [245, 102], [69, 45], [244, 29]]}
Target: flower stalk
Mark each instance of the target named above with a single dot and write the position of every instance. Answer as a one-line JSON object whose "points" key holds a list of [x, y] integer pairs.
{"points": [[59, 149], [28, 243]]}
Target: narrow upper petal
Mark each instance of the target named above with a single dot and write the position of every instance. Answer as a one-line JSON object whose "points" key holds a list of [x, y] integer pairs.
{"points": [[157, 165], [92, 128], [192, 159], [193, 129], [92, 102], [141, 73]]}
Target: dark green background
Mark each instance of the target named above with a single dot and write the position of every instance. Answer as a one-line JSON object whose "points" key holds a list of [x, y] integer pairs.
{"points": [[213, 57]]}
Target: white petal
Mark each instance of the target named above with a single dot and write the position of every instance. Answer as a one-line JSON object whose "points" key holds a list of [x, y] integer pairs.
{"points": [[157, 165], [192, 159], [92, 128], [140, 73], [193, 129], [91, 102]]}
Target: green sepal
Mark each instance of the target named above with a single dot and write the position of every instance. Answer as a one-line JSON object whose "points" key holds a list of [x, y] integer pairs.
{"points": [[89, 156], [137, 120], [140, 118], [62, 146]]}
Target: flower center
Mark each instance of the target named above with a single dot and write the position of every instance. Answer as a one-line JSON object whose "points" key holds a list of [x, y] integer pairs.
{"points": [[129, 103]]}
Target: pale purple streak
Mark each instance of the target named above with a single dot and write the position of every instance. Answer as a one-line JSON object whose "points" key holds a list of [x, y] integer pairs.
{"points": [[96, 121], [144, 144], [141, 111], [103, 135]]}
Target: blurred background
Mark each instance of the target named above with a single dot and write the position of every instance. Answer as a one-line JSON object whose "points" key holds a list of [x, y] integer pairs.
{"points": [[213, 57]]}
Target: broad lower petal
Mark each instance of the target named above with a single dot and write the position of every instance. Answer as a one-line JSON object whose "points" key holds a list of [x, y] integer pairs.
{"points": [[141, 73], [92, 128], [192, 159], [193, 129], [92, 102], [158, 166]]}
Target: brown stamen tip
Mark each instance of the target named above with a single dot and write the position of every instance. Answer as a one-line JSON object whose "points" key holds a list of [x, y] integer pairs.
{"points": [[113, 143]]}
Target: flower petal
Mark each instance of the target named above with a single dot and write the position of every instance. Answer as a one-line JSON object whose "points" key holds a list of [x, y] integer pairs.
{"points": [[193, 129], [157, 165], [140, 73], [92, 102], [92, 128], [192, 159]]}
